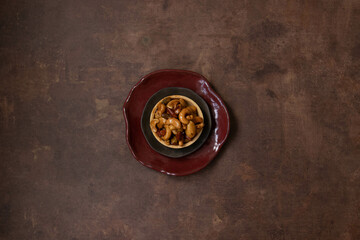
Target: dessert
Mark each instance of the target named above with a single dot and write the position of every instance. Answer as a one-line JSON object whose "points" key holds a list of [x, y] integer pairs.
{"points": [[176, 121]]}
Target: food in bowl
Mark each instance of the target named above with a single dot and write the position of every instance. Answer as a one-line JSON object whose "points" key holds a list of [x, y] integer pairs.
{"points": [[176, 121]]}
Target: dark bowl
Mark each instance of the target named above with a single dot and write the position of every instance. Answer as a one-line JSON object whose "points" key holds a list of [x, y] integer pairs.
{"points": [[154, 143]]}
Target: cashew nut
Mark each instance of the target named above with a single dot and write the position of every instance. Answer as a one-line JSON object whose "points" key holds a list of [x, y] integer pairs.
{"points": [[172, 104], [184, 112], [173, 121], [167, 134], [153, 125], [161, 123], [190, 129], [160, 110]]}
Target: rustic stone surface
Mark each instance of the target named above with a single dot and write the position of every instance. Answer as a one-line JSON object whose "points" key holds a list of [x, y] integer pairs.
{"points": [[288, 70]]}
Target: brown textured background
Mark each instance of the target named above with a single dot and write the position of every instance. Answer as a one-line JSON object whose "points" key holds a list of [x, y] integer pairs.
{"points": [[288, 71]]}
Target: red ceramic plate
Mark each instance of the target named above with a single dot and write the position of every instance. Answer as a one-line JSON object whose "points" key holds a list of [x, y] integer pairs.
{"points": [[133, 108]]}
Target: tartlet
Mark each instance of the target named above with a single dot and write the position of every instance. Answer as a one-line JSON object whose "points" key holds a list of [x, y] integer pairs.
{"points": [[184, 136]]}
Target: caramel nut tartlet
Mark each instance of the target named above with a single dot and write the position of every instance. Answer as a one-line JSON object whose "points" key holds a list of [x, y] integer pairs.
{"points": [[176, 121]]}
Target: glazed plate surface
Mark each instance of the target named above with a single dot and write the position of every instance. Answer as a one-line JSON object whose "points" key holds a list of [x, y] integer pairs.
{"points": [[135, 104]]}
